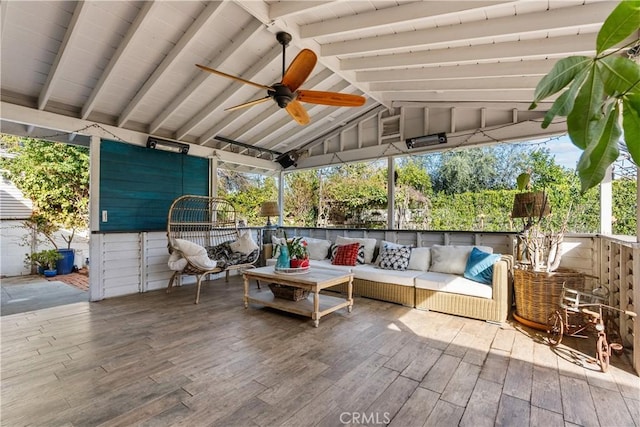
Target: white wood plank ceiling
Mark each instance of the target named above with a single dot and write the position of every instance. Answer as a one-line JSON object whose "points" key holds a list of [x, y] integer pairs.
{"points": [[460, 67]]}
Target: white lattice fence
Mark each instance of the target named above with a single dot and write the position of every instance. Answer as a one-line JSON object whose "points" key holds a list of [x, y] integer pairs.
{"points": [[621, 274]]}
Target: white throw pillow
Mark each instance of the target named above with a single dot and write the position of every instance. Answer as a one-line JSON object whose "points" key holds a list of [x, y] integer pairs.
{"points": [[176, 261], [420, 259], [452, 259], [318, 248], [245, 244], [189, 248], [369, 245], [196, 254]]}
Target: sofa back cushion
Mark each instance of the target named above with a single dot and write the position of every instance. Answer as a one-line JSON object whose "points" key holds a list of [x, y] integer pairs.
{"points": [[420, 259], [318, 249], [452, 259]]}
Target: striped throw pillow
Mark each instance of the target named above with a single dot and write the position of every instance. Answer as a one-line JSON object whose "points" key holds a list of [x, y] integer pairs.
{"points": [[346, 254]]}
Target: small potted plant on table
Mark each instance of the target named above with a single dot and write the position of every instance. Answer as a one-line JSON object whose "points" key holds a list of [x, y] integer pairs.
{"points": [[298, 253]]}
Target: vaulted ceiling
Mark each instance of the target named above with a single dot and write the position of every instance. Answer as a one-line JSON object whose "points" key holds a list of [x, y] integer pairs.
{"points": [[466, 68]]}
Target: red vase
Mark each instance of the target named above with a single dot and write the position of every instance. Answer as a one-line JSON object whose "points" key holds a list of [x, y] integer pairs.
{"points": [[299, 263]]}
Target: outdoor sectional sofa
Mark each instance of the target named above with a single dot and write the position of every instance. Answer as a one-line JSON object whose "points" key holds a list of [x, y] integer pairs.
{"points": [[433, 280]]}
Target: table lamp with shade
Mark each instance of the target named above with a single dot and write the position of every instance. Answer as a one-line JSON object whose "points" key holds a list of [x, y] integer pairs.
{"points": [[269, 209]]}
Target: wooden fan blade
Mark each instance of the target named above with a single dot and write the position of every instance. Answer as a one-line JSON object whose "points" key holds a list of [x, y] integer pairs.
{"points": [[299, 69], [229, 76], [297, 111], [248, 104], [330, 98]]}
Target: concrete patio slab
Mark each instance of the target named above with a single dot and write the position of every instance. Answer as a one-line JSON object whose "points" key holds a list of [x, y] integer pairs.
{"points": [[28, 293]]}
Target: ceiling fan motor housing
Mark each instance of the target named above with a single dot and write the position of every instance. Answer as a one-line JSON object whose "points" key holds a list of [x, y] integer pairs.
{"points": [[281, 94]]}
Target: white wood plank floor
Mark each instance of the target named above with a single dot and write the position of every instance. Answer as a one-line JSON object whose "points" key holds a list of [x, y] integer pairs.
{"points": [[159, 360]]}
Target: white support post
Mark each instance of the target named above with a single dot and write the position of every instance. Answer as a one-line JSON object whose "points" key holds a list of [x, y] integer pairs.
{"points": [[637, 213], [391, 192], [280, 197], [96, 290], [606, 204], [213, 175]]}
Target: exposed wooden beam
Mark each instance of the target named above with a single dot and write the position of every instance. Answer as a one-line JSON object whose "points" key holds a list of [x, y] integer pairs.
{"points": [[252, 29], [355, 119], [44, 119], [292, 138], [285, 9], [487, 84], [239, 159], [534, 49], [403, 13], [588, 17], [474, 105], [123, 48], [63, 53], [516, 95], [538, 67], [212, 10]]}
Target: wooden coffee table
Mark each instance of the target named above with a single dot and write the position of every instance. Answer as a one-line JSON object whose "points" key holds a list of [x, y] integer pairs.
{"points": [[314, 280]]}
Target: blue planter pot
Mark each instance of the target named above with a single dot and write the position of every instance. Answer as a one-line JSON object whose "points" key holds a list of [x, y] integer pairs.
{"points": [[50, 273], [65, 265]]}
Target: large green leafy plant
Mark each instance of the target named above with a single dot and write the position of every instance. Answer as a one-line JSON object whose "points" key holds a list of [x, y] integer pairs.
{"points": [[600, 93]]}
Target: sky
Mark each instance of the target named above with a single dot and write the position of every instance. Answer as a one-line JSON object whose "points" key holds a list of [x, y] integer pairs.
{"points": [[565, 153]]}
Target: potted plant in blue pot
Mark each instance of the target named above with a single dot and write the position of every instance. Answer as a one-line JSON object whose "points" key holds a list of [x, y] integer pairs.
{"points": [[46, 261]]}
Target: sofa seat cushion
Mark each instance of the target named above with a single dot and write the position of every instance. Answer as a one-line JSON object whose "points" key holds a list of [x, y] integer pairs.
{"points": [[325, 263], [453, 284], [395, 277]]}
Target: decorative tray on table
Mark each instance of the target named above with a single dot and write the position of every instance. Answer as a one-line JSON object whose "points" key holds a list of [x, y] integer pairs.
{"points": [[297, 270]]}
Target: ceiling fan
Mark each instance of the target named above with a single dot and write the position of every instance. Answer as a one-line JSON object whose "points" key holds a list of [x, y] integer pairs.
{"points": [[286, 93]]}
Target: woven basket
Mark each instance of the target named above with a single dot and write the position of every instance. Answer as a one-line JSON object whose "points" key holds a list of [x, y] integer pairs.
{"points": [[530, 205], [288, 292], [538, 293]]}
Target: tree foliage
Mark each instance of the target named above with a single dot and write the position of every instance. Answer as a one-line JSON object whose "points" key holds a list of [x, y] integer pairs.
{"points": [[624, 206], [301, 198], [600, 93], [55, 176], [247, 192], [360, 191]]}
